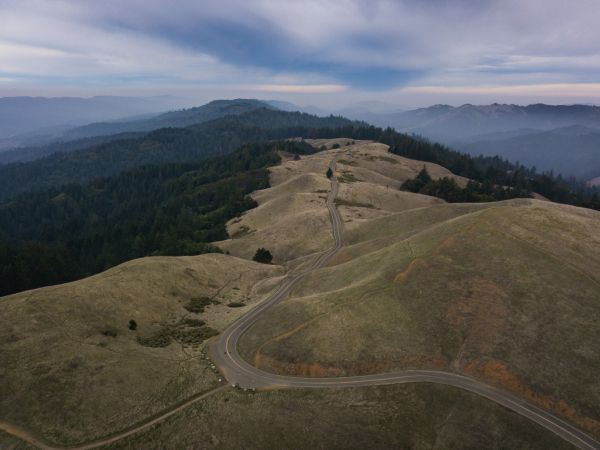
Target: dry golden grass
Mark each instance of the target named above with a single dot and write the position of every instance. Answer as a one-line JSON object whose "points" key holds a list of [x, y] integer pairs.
{"points": [[504, 291], [418, 417], [292, 220], [507, 292], [64, 378]]}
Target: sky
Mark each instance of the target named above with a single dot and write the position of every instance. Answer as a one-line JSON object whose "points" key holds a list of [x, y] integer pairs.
{"points": [[326, 53]]}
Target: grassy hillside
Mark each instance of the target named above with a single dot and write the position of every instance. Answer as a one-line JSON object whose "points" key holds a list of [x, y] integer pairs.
{"points": [[416, 417], [507, 292], [291, 219], [71, 369]]}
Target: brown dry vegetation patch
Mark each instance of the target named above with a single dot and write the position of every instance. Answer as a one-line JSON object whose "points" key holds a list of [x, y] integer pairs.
{"points": [[344, 368], [413, 265], [498, 373], [479, 309]]}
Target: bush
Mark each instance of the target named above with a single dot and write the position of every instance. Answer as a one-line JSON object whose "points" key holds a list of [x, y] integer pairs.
{"points": [[161, 338], [329, 172], [236, 304], [197, 304], [263, 255], [132, 325], [193, 336], [110, 333], [334, 146], [193, 322]]}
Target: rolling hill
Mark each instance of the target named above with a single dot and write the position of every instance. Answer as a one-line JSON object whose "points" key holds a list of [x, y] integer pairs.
{"points": [[98, 133], [73, 370], [505, 292]]}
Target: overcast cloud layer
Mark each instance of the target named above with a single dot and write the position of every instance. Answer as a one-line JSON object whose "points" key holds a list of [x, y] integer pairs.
{"points": [[409, 52]]}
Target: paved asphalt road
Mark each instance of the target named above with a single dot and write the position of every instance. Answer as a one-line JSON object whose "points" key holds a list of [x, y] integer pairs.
{"points": [[238, 372]]}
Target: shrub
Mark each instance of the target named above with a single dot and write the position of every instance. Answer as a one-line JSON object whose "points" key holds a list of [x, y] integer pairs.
{"points": [[197, 304], [193, 336], [263, 255], [132, 325], [109, 332], [193, 322], [329, 172], [236, 304], [334, 146], [161, 338]]}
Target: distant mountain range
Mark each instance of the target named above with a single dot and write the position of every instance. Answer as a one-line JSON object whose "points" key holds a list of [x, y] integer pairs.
{"points": [[28, 118], [218, 136], [571, 151], [102, 132], [565, 139]]}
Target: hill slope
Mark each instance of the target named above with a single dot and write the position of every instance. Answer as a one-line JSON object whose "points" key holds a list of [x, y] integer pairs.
{"points": [[506, 292], [72, 370], [129, 375]]}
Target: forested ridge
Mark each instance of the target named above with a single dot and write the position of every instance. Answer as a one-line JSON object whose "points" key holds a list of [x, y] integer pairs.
{"points": [[60, 235], [85, 211], [216, 137]]}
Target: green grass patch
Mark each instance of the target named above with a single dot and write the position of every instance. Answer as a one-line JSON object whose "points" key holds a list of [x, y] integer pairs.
{"points": [[342, 202], [186, 332], [236, 304], [193, 322], [347, 177], [161, 338], [198, 304]]}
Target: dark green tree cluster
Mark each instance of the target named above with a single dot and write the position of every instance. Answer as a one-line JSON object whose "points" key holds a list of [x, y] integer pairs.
{"points": [[449, 190], [263, 255], [60, 235]]}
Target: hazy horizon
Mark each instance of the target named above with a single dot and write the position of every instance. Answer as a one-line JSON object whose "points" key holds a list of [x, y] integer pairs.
{"points": [[322, 53]]}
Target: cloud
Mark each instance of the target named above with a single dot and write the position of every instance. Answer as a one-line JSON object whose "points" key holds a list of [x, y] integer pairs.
{"points": [[300, 88], [313, 46], [580, 90]]}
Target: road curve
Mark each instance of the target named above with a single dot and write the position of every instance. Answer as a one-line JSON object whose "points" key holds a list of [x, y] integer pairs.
{"points": [[224, 353]]}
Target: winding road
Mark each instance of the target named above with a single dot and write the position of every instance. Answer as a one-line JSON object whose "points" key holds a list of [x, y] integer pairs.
{"points": [[224, 353], [238, 372]]}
